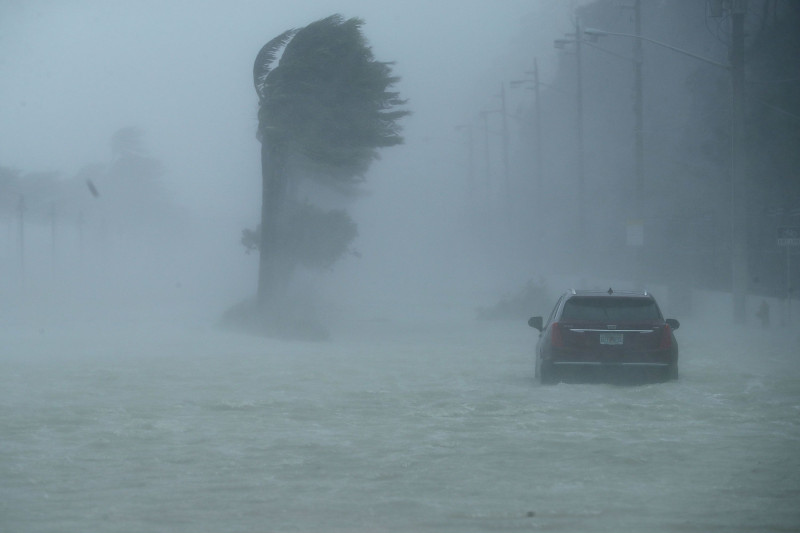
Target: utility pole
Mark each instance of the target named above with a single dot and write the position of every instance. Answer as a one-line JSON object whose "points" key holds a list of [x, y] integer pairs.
{"points": [[470, 161], [639, 106], [80, 236], [21, 208], [738, 166], [53, 237], [506, 176], [738, 161], [538, 111], [581, 150], [485, 115], [537, 103], [577, 38], [487, 161], [638, 111]]}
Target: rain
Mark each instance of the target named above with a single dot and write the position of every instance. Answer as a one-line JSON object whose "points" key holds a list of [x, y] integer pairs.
{"points": [[364, 363]]}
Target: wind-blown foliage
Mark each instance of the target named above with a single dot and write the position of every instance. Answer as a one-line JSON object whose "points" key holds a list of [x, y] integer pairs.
{"points": [[314, 237], [325, 109], [327, 99], [265, 61]]}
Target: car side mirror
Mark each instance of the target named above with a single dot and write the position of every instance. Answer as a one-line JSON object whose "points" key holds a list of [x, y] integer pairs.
{"points": [[536, 322], [674, 324]]}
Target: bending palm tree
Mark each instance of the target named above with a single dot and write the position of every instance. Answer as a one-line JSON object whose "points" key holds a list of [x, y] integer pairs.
{"points": [[325, 108]]}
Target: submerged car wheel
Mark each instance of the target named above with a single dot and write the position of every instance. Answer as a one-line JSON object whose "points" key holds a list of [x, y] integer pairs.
{"points": [[669, 373], [672, 371], [545, 374]]}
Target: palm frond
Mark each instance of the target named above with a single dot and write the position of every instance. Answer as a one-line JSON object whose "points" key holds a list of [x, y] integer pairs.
{"points": [[266, 58], [329, 100]]}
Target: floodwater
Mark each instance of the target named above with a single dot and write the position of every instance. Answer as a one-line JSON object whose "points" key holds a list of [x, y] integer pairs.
{"points": [[398, 423]]}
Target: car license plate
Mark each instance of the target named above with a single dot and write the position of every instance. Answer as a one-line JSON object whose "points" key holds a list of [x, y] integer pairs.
{"points": [[611, 338]]}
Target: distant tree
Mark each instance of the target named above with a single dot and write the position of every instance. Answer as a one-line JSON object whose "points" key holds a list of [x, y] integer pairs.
{"points": [[325, 108], [774, 106], [772, 127], [132, 184], [126, 141], [9, 189], [38, 191]]}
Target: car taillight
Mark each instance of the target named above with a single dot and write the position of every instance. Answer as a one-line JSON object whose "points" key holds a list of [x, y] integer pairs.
{"points": [[666, 337], [556, 338]]}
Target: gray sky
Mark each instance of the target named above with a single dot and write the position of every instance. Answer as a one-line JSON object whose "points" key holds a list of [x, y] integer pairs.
{"points": [[74, 71]]}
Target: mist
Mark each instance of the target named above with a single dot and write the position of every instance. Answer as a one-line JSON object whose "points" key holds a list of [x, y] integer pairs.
{"points": [[181, 75], [130, 167]]}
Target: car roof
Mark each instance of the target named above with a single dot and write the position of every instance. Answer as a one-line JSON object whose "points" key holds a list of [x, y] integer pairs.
{"points": [[609, 293]]}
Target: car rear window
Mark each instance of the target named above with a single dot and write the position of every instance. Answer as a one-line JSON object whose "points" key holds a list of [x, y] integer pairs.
{"points": [[610, 309]]}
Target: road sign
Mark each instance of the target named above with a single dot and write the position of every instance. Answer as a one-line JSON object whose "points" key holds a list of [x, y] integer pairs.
{"points": [[635, 233], [789, 236]]}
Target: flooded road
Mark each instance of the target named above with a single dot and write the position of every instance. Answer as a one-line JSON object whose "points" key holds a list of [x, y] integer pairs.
{"points": [[396, 424]]}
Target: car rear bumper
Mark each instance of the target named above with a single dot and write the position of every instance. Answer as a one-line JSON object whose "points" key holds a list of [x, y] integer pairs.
{"points": [[578, 364], [608, 371]]}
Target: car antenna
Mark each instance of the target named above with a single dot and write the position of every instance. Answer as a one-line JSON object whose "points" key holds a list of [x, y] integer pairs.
{"points": [[610, 290]]}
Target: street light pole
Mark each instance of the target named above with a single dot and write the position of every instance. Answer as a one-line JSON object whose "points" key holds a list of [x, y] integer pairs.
{"points": [[21, 209], [504, 139], [596, 32], [538, 109], [53, 238], [638, 112], [738, 168], [506, 175], [537, 103], [486, 160], [638, 107], [559, 43], [581, 148], [470, 161], [739, 267]]}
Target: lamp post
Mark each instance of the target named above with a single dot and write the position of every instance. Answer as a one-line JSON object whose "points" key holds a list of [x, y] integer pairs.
{"points": [[504, 138], [486, 158], [538, 126], [636, 211], [53, 237], [506, 175], [577, 38], [21, 210], [470, 160], [592, 32], [739, 270], [638, 111]]}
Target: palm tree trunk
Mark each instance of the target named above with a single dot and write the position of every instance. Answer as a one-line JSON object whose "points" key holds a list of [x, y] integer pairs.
{"points": [[272, 199]]}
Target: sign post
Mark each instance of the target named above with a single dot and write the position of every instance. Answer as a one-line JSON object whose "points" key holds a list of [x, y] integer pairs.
{"points": [[634, 237], [788, 237]]}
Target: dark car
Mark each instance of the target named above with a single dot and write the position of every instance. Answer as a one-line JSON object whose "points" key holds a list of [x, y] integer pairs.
{"points": [[604, 334]]}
